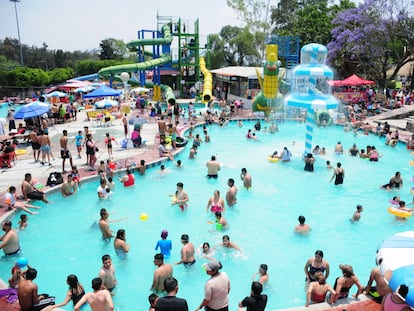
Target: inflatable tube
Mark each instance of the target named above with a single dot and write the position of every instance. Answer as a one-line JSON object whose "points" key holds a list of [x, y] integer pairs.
{"points": [[394, 202], [399, 213], [180, 142], [270, 159], [411, 163]]}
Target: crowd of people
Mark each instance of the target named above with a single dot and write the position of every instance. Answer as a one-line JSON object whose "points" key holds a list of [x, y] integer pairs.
{"points": [[165, 286]]}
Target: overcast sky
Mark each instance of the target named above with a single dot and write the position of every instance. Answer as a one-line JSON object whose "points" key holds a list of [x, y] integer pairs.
{"points": [[83, 24]]}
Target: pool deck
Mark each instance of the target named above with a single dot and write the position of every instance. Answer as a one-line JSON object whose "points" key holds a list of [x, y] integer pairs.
{"points": [[149, 153]]}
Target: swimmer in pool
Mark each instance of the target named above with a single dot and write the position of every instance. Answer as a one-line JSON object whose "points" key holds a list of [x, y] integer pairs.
{"points": [[107, 274], [187, 252], [206, 251], [228, 244], [261, 276], [120, 245], [357, 214], [216, 203], [231, 193], [246, 178], [221, 222], [181, 197], [302, 227], [339, 149]]}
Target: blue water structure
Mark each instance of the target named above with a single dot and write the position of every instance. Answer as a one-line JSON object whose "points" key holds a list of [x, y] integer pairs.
{"points": [[310, 89]]}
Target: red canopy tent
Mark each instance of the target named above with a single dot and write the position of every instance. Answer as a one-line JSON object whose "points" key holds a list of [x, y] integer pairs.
{"points": [[353, 80]]}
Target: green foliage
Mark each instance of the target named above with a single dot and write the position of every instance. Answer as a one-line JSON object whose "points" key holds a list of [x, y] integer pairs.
{"points": [[112, 49], [217, 52], [58, 75]]}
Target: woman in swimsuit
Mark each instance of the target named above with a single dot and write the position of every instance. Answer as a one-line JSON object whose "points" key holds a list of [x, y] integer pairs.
{"points": [[395, 182], [215, 204], [316, 264], [317, 290], [344, 283], [120, 245], [75, 292], [396, 301], [339, 174]]}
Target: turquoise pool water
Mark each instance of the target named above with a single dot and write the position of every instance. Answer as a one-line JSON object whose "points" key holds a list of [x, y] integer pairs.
{"points": [[65, 239]]}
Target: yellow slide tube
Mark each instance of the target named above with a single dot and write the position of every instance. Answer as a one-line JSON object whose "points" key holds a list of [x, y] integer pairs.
{"points": [[208, 81]]}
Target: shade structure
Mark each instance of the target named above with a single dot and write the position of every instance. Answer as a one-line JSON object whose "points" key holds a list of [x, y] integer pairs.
{"points": [[353, 80], [102, 91], [32, 110], [404, 275], [106, 103]]}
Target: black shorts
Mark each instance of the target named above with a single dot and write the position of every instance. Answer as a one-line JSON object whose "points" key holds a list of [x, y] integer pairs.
{"points": [[35, 146], [65, 154], [35, 195], [213, 176]]}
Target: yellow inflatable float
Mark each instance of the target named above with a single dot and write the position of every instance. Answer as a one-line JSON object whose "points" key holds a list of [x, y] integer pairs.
{"points": [[20, 151], [399, 213], [270, 159]]}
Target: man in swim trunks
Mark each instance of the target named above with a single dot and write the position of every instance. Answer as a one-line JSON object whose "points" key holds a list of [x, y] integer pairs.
{"points": [[163, 271], [45, 147], [27, 293], [246, 178], [30, 192], [107, 233], [187, 252], [10, 240], [99, 300], [381, 287], [35, 144], [213, 166], [125, 124], [107, 274], [231, 193], [64, 151], [69, 187]]}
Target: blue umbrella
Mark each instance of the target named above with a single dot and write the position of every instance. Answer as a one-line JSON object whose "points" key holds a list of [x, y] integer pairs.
{"points": [[57, 94], [404, 275], [32, 110]]}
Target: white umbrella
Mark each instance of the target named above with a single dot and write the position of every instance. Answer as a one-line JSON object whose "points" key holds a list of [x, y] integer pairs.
{"points": [[106, 103]]}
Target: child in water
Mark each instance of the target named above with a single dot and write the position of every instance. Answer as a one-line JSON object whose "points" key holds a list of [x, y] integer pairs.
{"points": [[23, 222]]}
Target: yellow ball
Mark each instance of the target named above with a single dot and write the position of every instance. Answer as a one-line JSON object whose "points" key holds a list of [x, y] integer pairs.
{"points": [[143, 216]]}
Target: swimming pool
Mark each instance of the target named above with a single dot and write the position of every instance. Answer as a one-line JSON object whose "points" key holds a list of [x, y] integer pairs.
{"points": [[65, 239]]}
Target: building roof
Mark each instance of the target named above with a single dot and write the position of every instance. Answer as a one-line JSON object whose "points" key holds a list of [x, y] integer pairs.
{"points": [[240, 71]]}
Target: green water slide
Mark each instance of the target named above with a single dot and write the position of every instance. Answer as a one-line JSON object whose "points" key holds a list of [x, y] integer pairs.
{"points": [[114, 70], [167, 39]]}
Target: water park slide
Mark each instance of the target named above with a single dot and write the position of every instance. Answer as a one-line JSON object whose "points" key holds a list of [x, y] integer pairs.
{"points": [[164, 59], [208, 81], [113, 70]]}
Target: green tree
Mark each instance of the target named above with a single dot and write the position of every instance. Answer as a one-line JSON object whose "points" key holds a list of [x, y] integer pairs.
{"points": [[254, 15], [112, 49], [217, 52], [59, 75], [238, 47]]}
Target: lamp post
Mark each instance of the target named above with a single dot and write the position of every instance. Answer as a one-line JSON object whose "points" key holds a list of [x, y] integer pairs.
{"points": [[18, 31], [125, 78]]}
